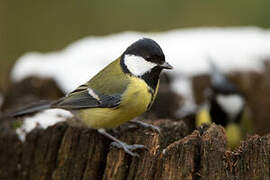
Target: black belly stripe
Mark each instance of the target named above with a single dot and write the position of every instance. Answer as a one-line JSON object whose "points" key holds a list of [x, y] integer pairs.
{"points": [[152, 92]]}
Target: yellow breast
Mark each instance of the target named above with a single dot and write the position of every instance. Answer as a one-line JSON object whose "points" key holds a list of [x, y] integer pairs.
{"points": [[135, 101], [203, 117]]}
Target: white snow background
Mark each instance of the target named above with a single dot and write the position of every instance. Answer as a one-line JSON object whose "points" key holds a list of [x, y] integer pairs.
{"points": [[187, 50]]}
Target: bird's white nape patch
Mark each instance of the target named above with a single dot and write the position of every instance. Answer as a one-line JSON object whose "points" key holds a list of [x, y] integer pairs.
{"points": [[231, 104], [137, 65], [93, 94]]}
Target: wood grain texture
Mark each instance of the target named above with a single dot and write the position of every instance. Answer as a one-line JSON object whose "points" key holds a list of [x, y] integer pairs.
{"points": [[66, 152]]}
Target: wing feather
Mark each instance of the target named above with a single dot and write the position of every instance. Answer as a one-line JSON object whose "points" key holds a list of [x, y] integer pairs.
{"points": [[101, 91], [83, 99]]}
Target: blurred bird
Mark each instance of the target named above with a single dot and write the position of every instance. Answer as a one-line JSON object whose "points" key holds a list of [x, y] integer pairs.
{"points": [[121, 91], [225, 106]]}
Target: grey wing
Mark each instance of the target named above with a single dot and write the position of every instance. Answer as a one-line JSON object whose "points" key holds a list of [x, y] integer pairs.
{"points": [[88, 98]]}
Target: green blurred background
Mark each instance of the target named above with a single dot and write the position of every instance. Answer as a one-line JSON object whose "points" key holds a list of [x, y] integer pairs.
{"points": [[35, 25]]}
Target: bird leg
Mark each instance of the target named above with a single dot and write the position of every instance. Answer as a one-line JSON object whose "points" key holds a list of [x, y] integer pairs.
{"points": [[145, 125], [120, 144]]}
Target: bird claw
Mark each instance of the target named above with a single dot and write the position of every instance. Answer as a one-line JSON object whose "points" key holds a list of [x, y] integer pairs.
{"points": [[148, 126], [154, 128], [128, 148]]}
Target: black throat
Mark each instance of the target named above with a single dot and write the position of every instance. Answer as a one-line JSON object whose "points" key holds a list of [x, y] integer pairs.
{"points": [[151, 78], [219, 116]]}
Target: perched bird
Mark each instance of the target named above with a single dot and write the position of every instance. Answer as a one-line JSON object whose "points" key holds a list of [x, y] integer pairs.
{"points": [[120, 92], [225, 106]]}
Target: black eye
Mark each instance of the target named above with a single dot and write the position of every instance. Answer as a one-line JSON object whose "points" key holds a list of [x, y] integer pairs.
{"points": [[155, 59], [148, 58]]}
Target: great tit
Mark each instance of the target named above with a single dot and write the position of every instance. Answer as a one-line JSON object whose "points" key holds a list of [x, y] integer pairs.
{"points": [[123, 90], [225, 106]]}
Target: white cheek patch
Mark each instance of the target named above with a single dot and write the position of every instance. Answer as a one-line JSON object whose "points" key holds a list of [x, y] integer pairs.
{"points": [[231, 104], [138, 65]]}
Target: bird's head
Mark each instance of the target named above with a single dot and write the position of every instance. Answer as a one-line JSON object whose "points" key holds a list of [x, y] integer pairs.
{"points": [[143, 56], [145, 59]]}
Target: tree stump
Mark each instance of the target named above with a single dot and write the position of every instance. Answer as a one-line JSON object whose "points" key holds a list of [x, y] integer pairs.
{"points": [[66, 152]]}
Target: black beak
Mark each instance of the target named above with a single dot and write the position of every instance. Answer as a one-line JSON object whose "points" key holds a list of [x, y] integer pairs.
{"points": [[166, 65]]}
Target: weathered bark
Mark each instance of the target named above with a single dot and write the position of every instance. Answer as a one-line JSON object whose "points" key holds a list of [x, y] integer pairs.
{"points": [[65, 152], [144, 167]]}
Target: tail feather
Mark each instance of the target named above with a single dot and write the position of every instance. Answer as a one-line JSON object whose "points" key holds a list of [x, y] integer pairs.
{"points": [[32, 108]]}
